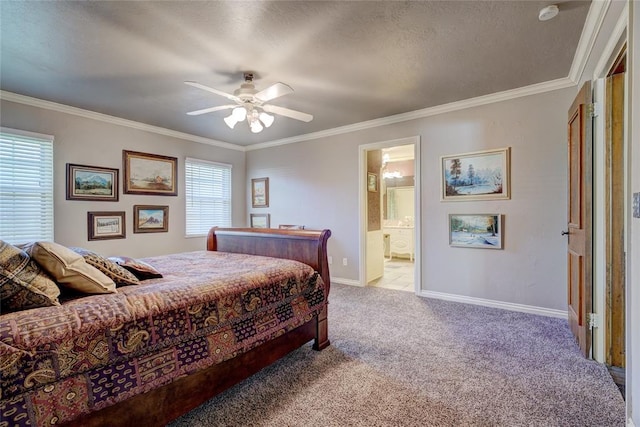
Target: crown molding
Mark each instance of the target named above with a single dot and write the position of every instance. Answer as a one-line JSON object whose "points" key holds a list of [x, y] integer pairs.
{"points": [[426, 112], [614, 38], [590, 30], [48, 105], [398, 118]]}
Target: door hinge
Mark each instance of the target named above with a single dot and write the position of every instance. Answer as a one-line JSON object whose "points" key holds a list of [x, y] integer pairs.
{"points": [[593, 320], [593, 110]]}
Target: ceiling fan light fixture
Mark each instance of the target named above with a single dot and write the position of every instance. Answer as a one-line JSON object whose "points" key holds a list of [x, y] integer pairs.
{"points": [[256, 127], [252, 105], [239, 113], [231, 121], [266, 119]]}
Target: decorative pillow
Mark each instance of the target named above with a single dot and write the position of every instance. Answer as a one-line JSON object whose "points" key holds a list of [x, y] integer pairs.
{"points": [[23, 284], [118, 274], [70, 269], [140, 269]]}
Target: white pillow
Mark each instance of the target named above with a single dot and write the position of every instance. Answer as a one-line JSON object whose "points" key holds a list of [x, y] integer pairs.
{"points": [[70, 269]]}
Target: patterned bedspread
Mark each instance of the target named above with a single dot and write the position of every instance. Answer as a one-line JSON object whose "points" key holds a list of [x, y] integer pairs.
{"points": [[60, 362]]}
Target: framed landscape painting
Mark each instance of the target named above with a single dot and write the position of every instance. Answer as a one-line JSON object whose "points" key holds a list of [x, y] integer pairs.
{"points": [[476, 231], [149, 174], [260, 192], [106, 225], [260, 220], [92, 183], [150, 219], [372, 182], [482, 175]]}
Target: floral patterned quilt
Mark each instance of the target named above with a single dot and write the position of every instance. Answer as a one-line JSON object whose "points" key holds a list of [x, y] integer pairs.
{"points": [[57, 363]]}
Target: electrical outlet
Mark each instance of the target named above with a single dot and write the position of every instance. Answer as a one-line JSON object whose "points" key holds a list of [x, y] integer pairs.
{"points": [[330, 260], [344, 261]]}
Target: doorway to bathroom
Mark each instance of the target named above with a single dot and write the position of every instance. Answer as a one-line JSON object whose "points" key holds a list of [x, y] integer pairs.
{"points": [[390, 214]]}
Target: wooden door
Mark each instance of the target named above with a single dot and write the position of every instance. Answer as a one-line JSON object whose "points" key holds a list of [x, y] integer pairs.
{"points": [[579, 249]]}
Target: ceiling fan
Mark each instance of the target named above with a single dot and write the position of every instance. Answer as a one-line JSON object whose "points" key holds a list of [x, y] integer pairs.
{"points": [[251, 104]]}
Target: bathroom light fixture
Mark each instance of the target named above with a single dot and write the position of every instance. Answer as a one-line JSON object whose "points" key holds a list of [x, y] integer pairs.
{"points": [[395, 174], [548, 12]]}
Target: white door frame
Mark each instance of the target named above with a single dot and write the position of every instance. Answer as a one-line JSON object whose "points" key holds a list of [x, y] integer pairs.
{"points": [[609, 55], [362, 194]]}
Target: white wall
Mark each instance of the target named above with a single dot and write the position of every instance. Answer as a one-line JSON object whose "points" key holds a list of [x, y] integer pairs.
{"points": [[97, 143], [315, 183]]}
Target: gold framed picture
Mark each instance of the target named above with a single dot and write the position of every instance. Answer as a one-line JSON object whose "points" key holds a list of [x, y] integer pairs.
{"points": [[372, 182], [150, 219], [149, 174], [481, 175]]}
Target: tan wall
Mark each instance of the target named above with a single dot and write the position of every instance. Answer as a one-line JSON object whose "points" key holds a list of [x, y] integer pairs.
{"points": [[316, 183], [96, 143]]}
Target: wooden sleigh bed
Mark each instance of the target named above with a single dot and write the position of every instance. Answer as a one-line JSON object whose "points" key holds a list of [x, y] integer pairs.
{"points": [[165, 402]]}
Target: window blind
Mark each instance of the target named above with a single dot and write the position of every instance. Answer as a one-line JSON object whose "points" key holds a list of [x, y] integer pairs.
{"points": [[208, 196], [26, 186]]}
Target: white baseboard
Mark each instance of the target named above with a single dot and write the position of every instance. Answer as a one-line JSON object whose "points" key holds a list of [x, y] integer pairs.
{"points": [[495, 304], [344, 281], [630, 423]]}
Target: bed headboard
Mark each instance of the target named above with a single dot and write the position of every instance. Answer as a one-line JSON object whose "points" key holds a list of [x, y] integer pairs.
{"points": [[307, 246]]}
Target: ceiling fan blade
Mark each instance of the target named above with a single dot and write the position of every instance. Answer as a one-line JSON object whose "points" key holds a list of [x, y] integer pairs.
{"points": [[216, 91], [210, 110], [274, 91], [298, 115]]}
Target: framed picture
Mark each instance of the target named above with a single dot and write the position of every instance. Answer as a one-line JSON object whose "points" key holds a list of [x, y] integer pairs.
{"points": [[482, 175], [372, 181], [106, 225], [149, 174], [260, 192], [150, 219], [476, 231], [92, 183], [260, 220]]}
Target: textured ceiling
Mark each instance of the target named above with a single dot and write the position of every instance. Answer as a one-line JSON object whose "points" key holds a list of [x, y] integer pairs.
{"points": [[348, 62]]}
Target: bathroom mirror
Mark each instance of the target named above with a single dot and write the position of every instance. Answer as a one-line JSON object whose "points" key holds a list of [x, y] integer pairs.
{"points": [[400, 203]]}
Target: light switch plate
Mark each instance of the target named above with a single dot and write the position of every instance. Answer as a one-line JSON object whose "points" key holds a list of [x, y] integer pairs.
{"points": [[636, 205]]}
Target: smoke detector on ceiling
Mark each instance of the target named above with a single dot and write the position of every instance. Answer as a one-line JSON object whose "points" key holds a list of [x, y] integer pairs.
{"points": [[548, 12]]}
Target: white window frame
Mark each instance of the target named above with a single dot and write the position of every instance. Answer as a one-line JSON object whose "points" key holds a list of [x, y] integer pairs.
{"points": [[189, 196], [11, 172]]}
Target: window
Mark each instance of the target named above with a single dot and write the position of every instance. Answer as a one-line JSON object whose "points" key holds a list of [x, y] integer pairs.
{"points": [[208, 196], [26, 186]]}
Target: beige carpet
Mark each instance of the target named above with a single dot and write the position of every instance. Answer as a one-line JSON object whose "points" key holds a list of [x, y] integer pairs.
{"points": [[400, 360]]}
